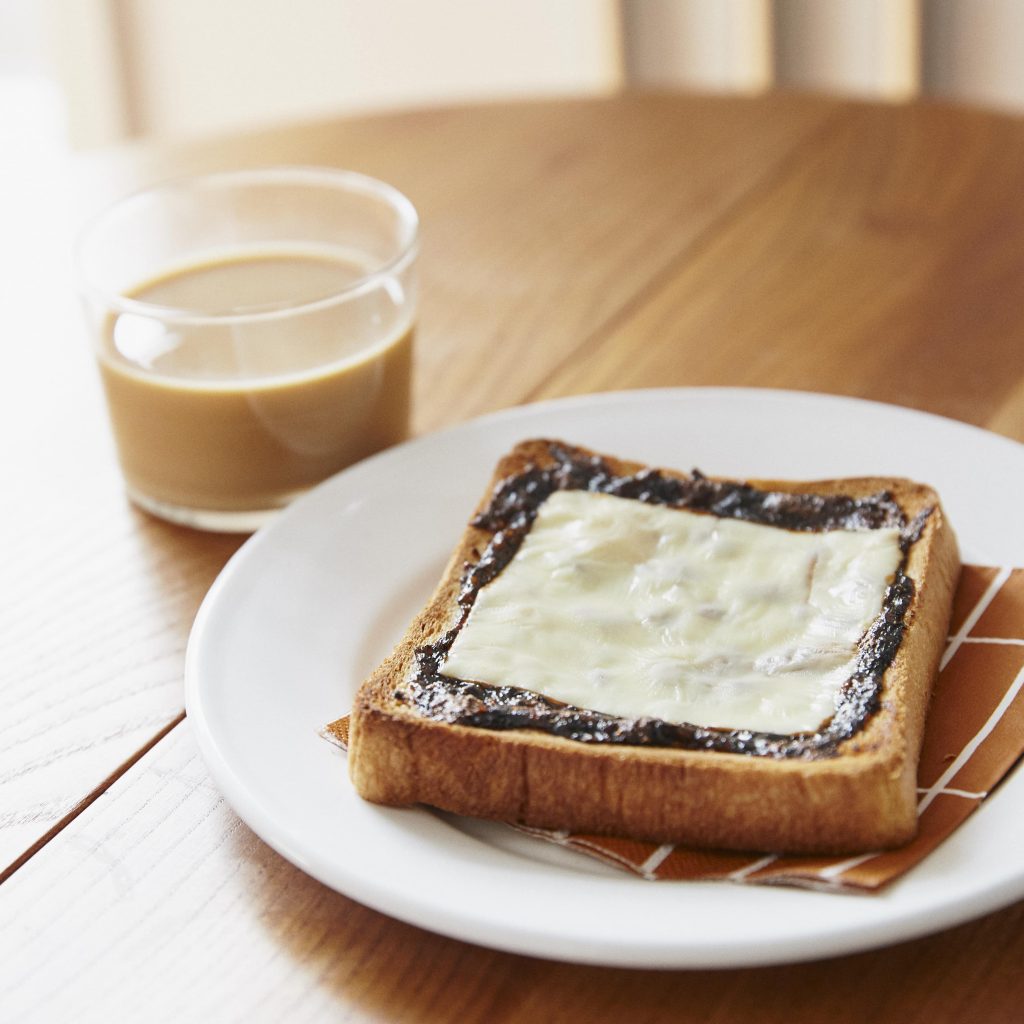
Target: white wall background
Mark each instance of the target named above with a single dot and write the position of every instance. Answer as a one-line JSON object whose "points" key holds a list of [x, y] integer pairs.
{"points": [[188, 67], [191, 67]]}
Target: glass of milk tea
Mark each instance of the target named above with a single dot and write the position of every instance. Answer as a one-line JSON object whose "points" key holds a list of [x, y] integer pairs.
{"points": [[253, 331]]}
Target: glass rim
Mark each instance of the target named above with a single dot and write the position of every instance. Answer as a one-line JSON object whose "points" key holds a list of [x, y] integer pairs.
{"points": [[344, 180]]}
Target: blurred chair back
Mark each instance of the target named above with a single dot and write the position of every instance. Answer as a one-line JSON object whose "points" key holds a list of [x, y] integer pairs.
{"points": [[153, 68], [879, 49]]}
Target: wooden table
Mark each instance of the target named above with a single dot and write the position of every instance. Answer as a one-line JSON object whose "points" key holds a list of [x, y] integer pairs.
{"points": [[569, 247]]}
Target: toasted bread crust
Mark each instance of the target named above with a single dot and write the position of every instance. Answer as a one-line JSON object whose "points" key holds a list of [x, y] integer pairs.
{"points": [[863, 798]]}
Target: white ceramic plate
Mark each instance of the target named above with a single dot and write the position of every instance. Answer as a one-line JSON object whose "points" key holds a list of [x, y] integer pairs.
{"points": [[309, 604]]}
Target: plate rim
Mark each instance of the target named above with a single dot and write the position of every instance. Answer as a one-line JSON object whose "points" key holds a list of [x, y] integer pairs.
{"points": [[246, 804]]}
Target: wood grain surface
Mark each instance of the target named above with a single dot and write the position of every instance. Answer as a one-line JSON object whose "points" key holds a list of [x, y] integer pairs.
{"points": [[569, 247]]}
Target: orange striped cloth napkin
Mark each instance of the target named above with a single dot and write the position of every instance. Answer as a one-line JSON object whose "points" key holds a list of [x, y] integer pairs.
{"points": [[974, 736]]}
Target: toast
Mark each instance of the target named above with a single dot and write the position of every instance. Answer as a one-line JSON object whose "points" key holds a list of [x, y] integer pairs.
{"points": [[495, 748]]}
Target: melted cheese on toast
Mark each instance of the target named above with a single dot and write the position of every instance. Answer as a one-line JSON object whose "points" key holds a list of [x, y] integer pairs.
{"points": [[634, 610]]}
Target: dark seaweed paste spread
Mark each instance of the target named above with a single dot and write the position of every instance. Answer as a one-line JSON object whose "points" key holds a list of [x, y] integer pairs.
{"points": [[508, 518]]}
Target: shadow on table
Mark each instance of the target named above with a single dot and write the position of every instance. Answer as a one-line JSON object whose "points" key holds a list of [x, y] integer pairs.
{"points": [[397, 972]]}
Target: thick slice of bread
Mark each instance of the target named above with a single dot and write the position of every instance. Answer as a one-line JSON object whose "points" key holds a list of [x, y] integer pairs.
{"points": [[855, 792]]}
